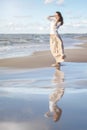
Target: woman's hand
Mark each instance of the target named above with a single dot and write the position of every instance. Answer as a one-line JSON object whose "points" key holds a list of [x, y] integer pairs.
{"points": [[50, 17]]}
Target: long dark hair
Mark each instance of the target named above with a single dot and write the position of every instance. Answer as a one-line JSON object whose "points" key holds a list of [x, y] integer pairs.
{"points": [[61, 17]]}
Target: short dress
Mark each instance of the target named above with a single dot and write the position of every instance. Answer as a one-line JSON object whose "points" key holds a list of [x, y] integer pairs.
{"points": [[56, 43]]}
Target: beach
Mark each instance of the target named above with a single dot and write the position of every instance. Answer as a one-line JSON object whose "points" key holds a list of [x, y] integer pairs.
{"points": [[45, 58], [36, 96]]}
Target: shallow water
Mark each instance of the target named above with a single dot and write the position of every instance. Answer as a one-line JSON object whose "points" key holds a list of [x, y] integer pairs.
{"points": [[17, 45], [29, 99], [44, 80]]}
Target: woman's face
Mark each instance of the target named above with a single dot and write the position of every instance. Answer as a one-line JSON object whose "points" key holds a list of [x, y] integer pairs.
{"points": [[57, 16]]}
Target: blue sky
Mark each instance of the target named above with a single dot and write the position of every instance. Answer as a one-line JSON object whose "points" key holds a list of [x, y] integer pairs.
{"points": [[29, 16]]}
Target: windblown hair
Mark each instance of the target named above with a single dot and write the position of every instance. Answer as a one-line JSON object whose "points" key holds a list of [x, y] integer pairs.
{"points": [[61, 18]]}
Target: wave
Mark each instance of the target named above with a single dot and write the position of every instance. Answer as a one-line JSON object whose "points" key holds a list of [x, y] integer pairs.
{"points": [[16, 45]]}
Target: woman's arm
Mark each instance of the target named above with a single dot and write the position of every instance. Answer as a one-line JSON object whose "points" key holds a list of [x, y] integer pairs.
{"points": [[51, 17]]}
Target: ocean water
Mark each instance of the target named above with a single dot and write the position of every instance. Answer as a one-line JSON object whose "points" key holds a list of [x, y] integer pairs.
{"points": [[17, 45]]}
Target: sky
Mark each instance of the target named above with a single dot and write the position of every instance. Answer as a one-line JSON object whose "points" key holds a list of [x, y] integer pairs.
{"points": [[30, 16]]}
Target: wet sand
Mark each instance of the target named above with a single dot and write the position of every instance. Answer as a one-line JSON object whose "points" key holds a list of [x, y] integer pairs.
{"points": [[36, 96], [31, 99], [45, 59]]}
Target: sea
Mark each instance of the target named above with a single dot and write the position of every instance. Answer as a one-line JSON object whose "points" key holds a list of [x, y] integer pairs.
{"points": [[19, 45]]}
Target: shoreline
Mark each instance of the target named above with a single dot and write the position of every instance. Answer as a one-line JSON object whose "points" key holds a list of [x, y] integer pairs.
{"points": [[45, 59], [31, 90]]}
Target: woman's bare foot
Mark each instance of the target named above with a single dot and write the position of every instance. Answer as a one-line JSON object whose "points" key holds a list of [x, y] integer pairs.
{"points": [[57, 65], [63, 57]]}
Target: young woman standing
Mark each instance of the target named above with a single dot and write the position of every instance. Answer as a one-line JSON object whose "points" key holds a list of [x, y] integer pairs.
{"points": [[56, 43]]}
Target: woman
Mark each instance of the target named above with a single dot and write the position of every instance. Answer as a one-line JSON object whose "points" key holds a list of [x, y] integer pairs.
{"points": [[54, 110], [56, 44]]}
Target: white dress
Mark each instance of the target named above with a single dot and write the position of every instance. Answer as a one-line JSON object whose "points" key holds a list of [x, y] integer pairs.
{"points": [[56, 95], [56, 44]]}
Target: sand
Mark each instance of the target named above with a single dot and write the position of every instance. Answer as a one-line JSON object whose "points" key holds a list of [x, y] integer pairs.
{"points": [[26, 96], [33, 94], [45, 58]]}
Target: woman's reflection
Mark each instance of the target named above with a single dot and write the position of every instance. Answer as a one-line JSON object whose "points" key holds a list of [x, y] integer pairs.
{"points": [[54, 110]]}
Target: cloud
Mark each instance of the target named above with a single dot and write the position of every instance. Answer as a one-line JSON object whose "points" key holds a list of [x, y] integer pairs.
{"points": [[38, 124], [60, 2], [29, 27], [57, 1], [78, 23], [22, 17], [48, 1]]}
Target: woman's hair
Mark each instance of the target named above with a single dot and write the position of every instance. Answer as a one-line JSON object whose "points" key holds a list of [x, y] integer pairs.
{"points": [[58, 115], [61, 18]]}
